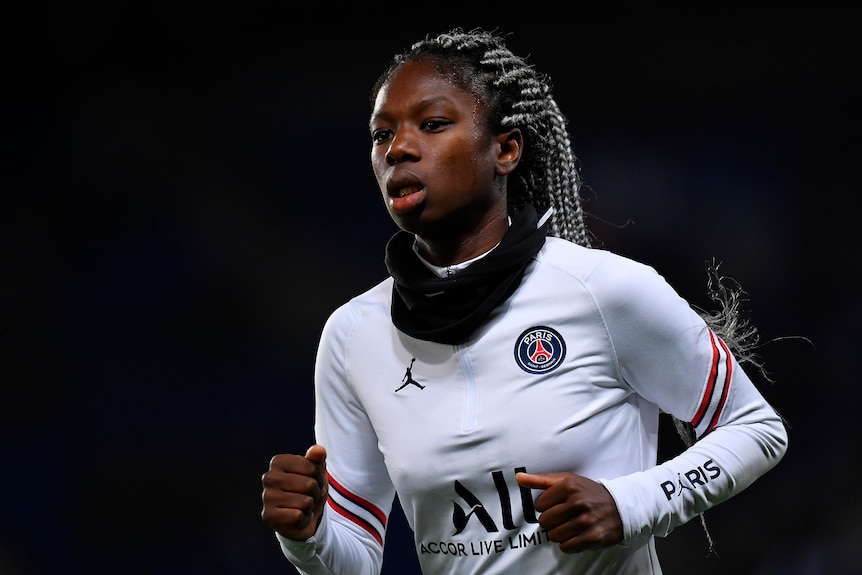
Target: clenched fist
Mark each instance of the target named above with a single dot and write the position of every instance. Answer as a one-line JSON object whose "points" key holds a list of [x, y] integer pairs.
{"points": [[295, 489]]}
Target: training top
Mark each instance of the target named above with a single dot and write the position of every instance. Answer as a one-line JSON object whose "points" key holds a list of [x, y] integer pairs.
{"points": [[570, 374]]}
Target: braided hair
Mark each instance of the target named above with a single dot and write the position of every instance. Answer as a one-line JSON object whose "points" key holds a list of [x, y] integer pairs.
{"points": [[515, 96]]}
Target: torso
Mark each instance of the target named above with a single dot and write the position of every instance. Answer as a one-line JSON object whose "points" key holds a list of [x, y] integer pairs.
{"points": [[536, 389]]}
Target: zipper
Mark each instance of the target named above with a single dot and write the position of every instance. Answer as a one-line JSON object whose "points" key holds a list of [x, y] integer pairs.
{"points": [[470, 401]]}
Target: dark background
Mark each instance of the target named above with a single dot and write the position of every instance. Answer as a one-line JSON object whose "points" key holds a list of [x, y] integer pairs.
{"points": [[186, 195]]}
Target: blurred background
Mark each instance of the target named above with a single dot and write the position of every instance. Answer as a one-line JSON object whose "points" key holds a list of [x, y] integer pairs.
{"points": [[186, 195]]}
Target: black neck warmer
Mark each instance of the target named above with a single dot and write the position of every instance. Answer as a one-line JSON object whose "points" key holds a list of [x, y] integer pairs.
{"points": [[448, 310]]}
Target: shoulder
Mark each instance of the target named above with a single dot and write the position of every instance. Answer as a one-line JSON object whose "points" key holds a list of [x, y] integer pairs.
{"points": [[593, 266], [617, 284], [374, 302]]}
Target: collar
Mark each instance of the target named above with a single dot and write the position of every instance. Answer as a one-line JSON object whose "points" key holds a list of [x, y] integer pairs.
{"points": [[447, 271], [449, 309]]}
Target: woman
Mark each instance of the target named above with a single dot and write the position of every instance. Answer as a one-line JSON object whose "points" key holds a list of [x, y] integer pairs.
{"points": [[506, 381]]}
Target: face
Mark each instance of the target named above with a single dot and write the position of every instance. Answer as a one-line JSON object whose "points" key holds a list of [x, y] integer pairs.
{"points": [[439, 169]]}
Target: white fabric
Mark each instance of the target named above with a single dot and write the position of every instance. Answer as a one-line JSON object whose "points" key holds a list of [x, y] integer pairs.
{"points": [[632, 347]]}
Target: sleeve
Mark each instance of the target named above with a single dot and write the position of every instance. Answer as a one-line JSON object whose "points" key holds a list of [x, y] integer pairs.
{"points": [[352, 532], [668, 356]]}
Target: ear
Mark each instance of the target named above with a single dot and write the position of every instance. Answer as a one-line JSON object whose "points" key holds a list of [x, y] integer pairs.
{"points": [[510, 145]]}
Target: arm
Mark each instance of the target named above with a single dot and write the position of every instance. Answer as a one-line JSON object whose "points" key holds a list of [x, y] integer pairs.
{"points": [[666, 354], [669, 357], [351, 526]]}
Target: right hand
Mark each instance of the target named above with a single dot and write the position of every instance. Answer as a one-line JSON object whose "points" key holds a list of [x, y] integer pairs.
{"points": [[295, 489]]}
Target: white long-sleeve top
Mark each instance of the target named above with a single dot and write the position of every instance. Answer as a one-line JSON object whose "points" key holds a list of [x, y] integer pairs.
{"points": [[569, 374]]}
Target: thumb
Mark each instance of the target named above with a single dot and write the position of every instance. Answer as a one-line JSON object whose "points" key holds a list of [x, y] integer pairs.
{"points": [[539, 480], [316, 453]]}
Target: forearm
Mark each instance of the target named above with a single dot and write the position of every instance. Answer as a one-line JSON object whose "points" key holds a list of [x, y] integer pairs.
{"points": [[336, 549], [720, 465]]}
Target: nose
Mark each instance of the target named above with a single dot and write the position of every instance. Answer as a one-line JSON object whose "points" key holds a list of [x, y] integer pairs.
{"points": [[402, 148]]}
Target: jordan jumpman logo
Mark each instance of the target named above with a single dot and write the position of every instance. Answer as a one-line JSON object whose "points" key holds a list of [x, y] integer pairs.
{"points": [[408, 378]]}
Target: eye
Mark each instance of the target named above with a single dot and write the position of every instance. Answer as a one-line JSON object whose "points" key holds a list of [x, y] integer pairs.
{"points": [[435, 124], [381, 135]]}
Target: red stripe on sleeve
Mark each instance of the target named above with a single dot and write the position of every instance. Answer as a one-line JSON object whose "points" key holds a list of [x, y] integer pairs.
{"points": [[356, 519], [363, 503], [710, 383], [726, 390]]}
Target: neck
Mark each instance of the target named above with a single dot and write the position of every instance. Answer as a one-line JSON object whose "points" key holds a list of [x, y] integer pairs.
{"points": [[445, 251]]}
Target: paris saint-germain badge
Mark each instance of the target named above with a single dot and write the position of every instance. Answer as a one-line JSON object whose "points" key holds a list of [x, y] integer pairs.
{"points": [[540, 349]]}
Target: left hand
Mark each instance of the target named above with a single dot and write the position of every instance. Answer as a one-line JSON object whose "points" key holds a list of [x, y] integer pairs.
{"points": [[580, 514]]}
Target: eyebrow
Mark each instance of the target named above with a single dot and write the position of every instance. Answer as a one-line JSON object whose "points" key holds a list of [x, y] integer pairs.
{"points": [[421, 105]]}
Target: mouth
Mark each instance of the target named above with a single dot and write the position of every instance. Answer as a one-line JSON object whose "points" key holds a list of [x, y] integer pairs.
{"points": [[405, 191], [405, 197]]}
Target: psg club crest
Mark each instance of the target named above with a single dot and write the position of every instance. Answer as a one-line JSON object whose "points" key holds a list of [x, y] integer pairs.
{"points": [[540, 349]]}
